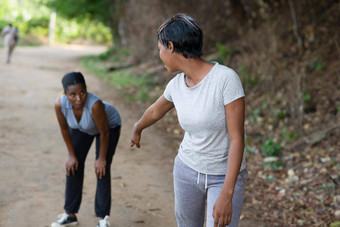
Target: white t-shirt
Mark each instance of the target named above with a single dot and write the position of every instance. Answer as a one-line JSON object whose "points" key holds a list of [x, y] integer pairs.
{"points": [[9, 34], [201, 114]]}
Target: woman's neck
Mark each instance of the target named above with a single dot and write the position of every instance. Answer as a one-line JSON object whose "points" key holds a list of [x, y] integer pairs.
{"points": [[195, 69]]}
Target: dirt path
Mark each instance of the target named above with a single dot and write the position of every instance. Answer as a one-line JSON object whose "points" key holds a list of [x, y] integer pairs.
{"points": [[32, 152]]}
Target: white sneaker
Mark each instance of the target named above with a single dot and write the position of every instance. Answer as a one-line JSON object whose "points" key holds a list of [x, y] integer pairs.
{"points": [[65, 220], [104, 222]]}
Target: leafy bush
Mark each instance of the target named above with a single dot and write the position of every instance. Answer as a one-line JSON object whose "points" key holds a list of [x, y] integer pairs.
{"points": [[33, 25], [248, 79], [270, 149], [133, 86], [288, 136], [223, 53], [316, 63]]}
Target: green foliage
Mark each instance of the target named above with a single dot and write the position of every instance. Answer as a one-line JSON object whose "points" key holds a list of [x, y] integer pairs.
{"points": [[29, 16], [281, 114], [115, 54], [248, 79], [307, 103], [21, 10], [137, 84], [335, 224], [4, 9], [316, 63], [69, 31], [255, 115], [3, 24], [326, 186], [248, 148], [306, 97], [91, 63], [32, 19], [271, 149], [107, 12], [106, 55], [274, 165], [134, 87], [82, 9], [36, 26], [223, 53], [288, 136], [37, 22], [270, 179]]}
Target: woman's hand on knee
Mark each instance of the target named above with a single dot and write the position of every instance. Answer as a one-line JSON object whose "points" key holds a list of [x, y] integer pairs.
{"points": [[222, 211], [71, 165], [99, 167]]}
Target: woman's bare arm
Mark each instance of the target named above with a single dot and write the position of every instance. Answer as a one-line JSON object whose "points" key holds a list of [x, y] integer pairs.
{"points": [[154, 113]]}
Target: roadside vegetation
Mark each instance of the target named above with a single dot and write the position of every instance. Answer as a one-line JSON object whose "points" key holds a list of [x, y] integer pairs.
{"points": [[32, 18]]}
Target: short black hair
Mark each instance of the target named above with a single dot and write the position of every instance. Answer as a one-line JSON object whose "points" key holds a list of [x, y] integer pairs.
{"points": [[73, 78], [185, 34]]}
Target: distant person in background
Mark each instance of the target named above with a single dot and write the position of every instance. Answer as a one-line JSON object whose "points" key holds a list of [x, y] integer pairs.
{"points": [[210, 169], [83, 116], [10, 35]]}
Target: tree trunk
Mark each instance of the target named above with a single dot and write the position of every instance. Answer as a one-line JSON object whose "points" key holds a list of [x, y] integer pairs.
{"points": [[116, 9], [51, 27]]}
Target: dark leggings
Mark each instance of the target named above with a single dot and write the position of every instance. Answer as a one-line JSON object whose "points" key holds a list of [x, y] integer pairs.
{"points": [[74, 183]]}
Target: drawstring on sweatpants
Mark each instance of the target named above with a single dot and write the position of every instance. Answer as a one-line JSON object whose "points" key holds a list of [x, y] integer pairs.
{"points": [[206, 180]]}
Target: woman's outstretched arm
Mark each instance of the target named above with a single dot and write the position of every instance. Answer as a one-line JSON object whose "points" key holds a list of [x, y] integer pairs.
{"points": [[154, 113]]}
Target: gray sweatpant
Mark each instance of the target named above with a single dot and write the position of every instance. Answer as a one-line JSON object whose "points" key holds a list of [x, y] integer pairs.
{"points": [[194, 190]]}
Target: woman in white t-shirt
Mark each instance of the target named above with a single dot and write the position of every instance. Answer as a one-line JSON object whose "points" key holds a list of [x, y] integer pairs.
{"points": [[209, 100], [10, 35]]}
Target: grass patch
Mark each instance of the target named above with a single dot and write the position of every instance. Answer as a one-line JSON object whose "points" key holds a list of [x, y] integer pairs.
{"points": [[134, 87]]}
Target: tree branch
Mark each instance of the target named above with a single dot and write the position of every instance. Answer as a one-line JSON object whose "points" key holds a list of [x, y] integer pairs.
{"points": [[295, 27]]}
